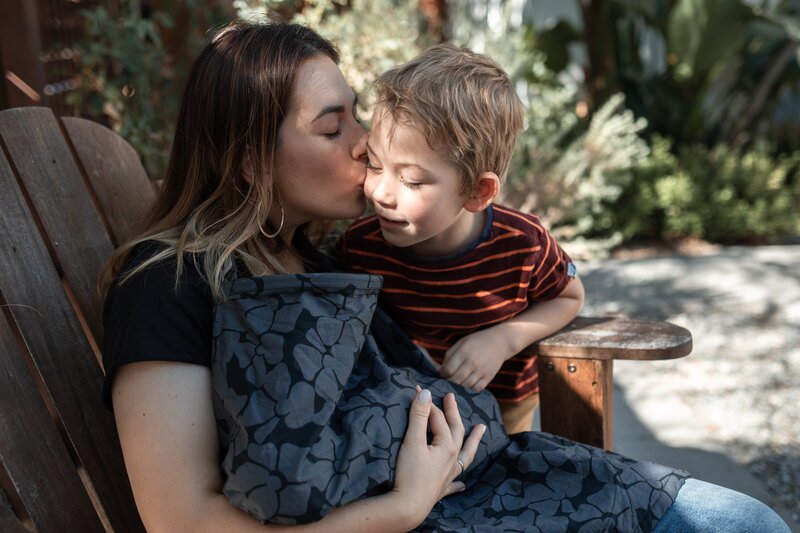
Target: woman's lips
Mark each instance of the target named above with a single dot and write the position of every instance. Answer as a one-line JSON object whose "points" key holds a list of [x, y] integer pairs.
{"points": [[389, 224]]}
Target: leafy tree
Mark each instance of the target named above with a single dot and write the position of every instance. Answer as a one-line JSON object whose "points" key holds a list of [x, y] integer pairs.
{"points": [[698, 70]]}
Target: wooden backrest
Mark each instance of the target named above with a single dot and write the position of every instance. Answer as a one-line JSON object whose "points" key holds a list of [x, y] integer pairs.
{"points": [[71, 190]]}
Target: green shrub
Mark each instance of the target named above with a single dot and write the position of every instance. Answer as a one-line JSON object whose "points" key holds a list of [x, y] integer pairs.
{"points": [[568, 171], [589, 178], [369, 43], [129, 81], [125, 82], [722, 195]]}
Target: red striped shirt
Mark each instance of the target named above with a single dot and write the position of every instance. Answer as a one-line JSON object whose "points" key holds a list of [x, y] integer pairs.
{"points": [[440, 300]]}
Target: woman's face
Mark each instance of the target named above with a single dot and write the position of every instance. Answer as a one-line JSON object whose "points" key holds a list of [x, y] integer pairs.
{"points": [[321, 158]]}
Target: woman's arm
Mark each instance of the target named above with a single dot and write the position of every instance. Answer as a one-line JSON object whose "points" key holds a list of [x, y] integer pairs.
{"points": [[168, 435], [169, 440]]}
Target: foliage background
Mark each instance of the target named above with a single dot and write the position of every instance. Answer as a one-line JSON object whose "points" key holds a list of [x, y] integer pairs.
{"points": [[657, 119]]}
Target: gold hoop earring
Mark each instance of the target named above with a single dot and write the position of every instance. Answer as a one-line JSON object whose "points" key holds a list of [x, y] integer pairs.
{"points": [[280, 226]]}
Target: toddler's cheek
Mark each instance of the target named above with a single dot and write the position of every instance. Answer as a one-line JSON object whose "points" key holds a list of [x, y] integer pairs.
{"points": [[368, 190]]}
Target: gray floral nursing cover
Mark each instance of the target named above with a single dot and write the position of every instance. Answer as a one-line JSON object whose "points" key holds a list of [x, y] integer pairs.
{"points": [[312, 388]]}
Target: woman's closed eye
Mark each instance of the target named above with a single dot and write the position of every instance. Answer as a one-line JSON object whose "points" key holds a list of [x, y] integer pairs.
{"points": [[334, 134], [332, 127], [373, 168]]}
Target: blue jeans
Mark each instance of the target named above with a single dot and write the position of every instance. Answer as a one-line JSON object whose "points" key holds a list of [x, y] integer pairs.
{"points": [[703, 507]]}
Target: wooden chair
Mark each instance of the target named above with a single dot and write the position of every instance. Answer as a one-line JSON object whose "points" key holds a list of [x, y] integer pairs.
{"points": [[71, 191]]}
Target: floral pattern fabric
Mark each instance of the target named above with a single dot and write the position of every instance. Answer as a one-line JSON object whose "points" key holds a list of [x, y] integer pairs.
{"points": [[312, 387]]}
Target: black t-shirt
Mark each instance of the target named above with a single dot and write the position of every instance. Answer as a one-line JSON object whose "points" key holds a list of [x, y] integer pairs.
{"points": [[147, 319]]}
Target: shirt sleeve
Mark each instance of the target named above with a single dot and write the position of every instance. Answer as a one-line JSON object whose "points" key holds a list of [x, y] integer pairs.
{"points": [[553, 269], [147, 319]]}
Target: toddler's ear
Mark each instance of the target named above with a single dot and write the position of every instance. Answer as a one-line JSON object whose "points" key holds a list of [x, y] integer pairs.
{"points": [[486, 188]]}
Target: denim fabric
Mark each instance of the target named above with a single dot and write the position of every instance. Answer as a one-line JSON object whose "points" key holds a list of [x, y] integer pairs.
{"points": [[703, 507]]}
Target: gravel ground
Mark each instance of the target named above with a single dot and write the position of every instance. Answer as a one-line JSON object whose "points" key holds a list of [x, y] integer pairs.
{"points": [[742, 379]]}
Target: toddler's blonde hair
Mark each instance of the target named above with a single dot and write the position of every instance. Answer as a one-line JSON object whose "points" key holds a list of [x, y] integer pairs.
{"points": [[464, 104]]}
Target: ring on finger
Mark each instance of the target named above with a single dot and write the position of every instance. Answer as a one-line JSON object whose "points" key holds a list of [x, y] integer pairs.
{"points": [[461, 464]]}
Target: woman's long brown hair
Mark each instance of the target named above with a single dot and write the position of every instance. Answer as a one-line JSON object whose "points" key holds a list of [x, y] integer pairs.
{"points": [[235, 101]]}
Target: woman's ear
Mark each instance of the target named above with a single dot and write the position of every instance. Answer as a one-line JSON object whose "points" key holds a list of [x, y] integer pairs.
{"points": [[486, 188], [247, 170]]}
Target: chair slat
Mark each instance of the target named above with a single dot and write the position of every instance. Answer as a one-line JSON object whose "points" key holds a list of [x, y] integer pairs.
{"points": [[115, 173], [39, 307], [33, 453], [9, 523], [47, 170]]}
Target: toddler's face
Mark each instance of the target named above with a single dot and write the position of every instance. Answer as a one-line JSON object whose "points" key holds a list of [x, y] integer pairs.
{"points": [[415, 192]]}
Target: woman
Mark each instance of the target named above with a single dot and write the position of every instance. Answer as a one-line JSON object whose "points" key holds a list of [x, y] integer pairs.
{"points": [[204, 367]]}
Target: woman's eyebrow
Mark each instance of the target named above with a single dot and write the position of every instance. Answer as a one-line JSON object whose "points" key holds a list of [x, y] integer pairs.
{"points": [[335, 108]]}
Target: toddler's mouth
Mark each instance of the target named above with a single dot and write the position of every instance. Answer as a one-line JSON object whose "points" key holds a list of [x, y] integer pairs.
{"points": [[388, 223]]}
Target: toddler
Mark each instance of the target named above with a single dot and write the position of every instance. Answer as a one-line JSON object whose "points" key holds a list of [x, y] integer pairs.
{"points": [[473, 283]]}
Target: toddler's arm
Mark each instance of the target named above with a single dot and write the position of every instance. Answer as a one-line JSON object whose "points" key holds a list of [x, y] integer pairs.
{"points": [[474, 360]]}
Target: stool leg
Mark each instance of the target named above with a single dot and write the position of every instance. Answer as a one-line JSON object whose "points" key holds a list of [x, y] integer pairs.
{"points": [[575, 396]]}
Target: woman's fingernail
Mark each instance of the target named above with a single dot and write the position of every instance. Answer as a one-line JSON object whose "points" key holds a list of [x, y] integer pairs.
{"points": [[425, 396], [482, 428]]}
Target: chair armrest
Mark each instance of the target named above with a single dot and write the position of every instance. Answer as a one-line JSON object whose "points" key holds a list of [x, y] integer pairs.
{"points": [[576, 368], [617, 338]]}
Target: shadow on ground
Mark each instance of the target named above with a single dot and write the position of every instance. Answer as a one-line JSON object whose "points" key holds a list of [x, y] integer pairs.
{"points": [[633, 438], [742, 306], [662, 287]]}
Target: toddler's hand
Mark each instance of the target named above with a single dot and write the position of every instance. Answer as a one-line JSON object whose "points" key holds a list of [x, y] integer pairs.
{"points": [[475, 360]]}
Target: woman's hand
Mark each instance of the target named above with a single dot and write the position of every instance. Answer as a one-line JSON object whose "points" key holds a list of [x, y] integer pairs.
{"points": [[425, 472]]}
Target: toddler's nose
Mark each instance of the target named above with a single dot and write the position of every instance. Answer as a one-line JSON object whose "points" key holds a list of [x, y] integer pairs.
{"points": [[379, 190]]}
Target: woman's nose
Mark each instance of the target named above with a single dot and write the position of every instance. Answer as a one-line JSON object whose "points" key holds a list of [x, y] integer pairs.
{"points": [[360, 148]]}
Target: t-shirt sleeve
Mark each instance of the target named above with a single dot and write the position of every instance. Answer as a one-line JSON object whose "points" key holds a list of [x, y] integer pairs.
{"points": [[147, 319], [553, 269]]}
